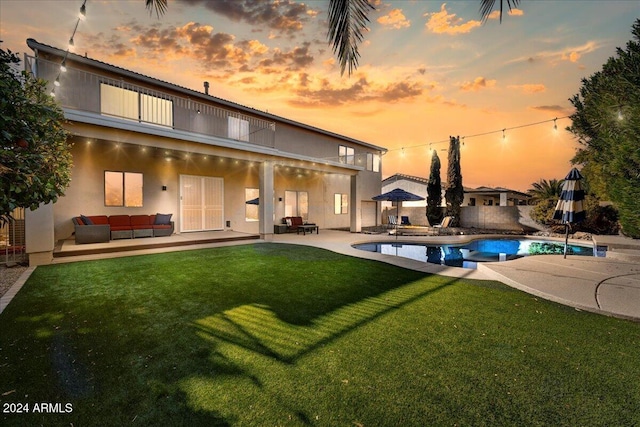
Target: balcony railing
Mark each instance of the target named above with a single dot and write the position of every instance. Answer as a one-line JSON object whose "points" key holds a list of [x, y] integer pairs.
{"points": [[84, 91]]}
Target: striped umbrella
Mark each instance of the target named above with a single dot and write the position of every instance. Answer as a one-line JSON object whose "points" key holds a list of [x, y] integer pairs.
{"points": [[570, 208]]}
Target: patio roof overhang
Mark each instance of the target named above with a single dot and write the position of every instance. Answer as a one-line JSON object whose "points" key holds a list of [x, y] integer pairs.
{"points": [[90, 125]]}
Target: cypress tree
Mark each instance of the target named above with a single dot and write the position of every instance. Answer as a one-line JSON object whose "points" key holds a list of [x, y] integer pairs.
{"points": [[454, 193], [434, 191]]}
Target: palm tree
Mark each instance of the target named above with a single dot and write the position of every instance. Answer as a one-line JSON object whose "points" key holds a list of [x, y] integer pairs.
{"points": [[347, 21], [544, 190]]}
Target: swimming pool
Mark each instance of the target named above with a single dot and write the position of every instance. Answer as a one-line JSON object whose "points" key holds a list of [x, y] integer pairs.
{"points": [[482, 250]]}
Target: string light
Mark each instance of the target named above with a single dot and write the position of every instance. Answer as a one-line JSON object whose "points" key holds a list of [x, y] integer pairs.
{"points": [[63, 65], [555, 124], [503, 135]]}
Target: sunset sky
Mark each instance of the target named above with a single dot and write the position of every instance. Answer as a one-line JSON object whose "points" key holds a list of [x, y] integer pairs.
{"points": [[428, 69]]}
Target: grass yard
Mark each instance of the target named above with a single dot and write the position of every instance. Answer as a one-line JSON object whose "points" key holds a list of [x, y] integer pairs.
{"points": [[270, 335]]}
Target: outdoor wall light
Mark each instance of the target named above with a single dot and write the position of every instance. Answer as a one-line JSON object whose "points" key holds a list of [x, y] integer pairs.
{"points": [[164, 188]]}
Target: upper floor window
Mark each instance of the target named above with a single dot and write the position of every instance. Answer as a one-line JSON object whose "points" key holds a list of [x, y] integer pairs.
{"points": [[129, 104], [373, 162], [346, 155]]}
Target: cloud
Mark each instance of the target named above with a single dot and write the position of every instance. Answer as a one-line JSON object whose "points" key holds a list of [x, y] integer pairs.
{"points": [[477, 84], [557, 109], [395, 19], [283, 15], [513, 12], [325, 93], [571, 54], [529, 88], [445, 23]]}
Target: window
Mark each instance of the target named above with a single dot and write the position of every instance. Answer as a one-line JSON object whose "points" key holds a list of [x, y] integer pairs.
{"points": [[238, 129], [123, 189], [296, 203], [129, 104], [346, 155], [373, 162], [341, 204], [251, 196]]}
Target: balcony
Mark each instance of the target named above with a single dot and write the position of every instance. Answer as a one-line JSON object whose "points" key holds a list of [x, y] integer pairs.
{"points": [[84, 91]]}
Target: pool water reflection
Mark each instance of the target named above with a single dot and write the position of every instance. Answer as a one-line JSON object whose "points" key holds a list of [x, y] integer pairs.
{"points": [[481, 250]]}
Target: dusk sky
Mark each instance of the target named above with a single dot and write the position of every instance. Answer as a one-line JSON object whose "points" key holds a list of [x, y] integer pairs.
{"points": [[428, 69]]}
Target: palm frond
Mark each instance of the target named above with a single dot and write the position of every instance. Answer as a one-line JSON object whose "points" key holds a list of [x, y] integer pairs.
{"points": [[347, 21], [486, 7], [160, 6]]}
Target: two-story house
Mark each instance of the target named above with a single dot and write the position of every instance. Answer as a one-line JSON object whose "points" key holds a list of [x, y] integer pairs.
{"points": [[143, 145]]}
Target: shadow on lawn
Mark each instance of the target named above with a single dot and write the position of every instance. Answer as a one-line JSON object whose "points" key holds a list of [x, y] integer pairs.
{"points": [[258, 328]]}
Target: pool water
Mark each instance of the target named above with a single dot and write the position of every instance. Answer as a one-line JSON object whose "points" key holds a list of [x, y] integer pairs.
{"points": [[482, 250]]}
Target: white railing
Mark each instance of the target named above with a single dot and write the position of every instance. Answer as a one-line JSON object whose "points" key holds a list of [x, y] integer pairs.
{"points": [[85, 91]]}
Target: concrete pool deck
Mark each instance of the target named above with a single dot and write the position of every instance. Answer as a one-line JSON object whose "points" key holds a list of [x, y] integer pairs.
{"points": [[608, 286]]}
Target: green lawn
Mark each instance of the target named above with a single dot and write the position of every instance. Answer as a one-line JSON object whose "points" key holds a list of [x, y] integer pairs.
{"points": [[270, 335]]}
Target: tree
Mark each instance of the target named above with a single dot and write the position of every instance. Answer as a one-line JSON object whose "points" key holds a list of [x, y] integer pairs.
{"points": [[544, 190], [454, 194], [35, 158], [347, 22], [545, 194], [434, 191], [607, 126]]}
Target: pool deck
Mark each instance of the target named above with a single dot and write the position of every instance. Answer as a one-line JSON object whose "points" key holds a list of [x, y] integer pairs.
{"points": [[608, 286]]}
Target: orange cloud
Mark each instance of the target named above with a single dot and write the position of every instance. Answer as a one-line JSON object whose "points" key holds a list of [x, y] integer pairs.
{"points": [[394, 19], [529, 88], [513, 12], [477, 84], [445, 23]]}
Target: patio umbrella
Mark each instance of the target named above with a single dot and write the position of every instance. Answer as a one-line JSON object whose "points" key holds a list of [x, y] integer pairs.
{"points": [[570, 208], [397, 195]]}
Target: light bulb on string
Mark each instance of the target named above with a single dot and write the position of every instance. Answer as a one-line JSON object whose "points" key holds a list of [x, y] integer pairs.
{"points": [[63, 66], [555, 124], [57, 82], [83, 12], [504, 136]]}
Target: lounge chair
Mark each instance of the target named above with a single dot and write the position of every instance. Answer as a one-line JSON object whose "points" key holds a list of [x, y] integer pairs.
{"points": [[446, 221], [392, 222], [404, 220]]}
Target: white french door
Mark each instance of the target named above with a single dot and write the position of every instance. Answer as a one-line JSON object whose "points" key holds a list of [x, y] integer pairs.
{"points": [[201, 203]]}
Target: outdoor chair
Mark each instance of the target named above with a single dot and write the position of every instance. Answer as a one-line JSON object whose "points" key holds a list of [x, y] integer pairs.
{"points": [[392, 222], [446, 221], [404, 220]]}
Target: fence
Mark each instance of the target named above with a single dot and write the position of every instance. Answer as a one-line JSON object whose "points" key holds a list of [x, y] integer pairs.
{"points": [[12, 239]]}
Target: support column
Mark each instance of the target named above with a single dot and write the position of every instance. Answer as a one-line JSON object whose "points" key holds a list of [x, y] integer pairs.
{"points": [[356, 204], [503, 199], [39, 234], [265, 208]]}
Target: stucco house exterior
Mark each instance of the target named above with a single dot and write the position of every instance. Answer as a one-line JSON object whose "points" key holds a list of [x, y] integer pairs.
{"points": [[146, 146]]}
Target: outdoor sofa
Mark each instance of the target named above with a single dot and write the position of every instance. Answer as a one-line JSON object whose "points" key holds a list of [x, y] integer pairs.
{"points": [[103, 228]]}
